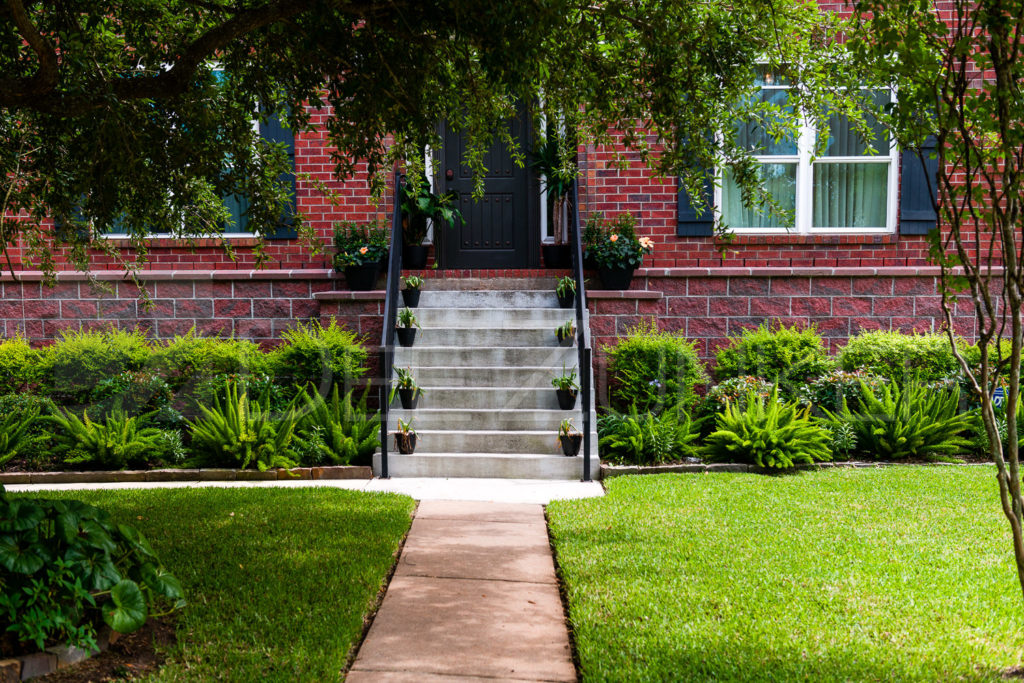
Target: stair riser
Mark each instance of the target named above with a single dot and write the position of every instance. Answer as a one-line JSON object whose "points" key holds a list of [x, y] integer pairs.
{"points": [[539, 378], [498, 319], [440, 466], [477, 420], [491, 299], [471, 398], [486, 338], [508, 443], [423, 356]]}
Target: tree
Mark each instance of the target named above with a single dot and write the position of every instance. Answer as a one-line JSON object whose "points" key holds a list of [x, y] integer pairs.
{"points": [[958, 67], [111, 113]]}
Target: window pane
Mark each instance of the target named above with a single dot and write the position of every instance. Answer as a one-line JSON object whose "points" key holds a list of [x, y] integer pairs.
{"points": [[843, 139], [754, 135], [850, 195], [779, 179]]}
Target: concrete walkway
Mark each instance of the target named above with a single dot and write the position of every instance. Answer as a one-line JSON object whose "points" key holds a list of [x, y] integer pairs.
{"points": [[474, 598]]}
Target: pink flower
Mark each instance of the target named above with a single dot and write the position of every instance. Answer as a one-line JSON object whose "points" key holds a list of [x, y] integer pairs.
{"points": [[364, 250], [614, 238], [646, 243]]}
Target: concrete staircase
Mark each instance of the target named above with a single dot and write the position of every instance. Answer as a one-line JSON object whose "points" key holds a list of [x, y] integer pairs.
{"points": [[485, 360]]}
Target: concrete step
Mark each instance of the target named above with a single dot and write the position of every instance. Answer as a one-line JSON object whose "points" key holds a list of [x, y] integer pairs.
{"points": [[486, 398], [420, 356], [488, 419], [486, 338], [491, 441], [494, 318], [495, 299], [521, 377], [486, 465]]}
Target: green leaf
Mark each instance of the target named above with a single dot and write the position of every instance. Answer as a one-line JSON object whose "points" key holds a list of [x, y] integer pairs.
{"points": [[126, 611], [161, 582], [135, 537], [18, 558], [22, 515]]}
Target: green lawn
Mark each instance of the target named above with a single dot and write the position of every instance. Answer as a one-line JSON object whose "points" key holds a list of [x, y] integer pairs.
{"points": [[882, 574], [278, 580]]}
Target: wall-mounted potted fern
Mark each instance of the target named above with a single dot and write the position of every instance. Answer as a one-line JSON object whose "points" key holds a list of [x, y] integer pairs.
{"points": [[405, 437], [565, 290], [565, 333], [406, 326], [566, 389], [570, 438], [408, 391], [411, 293]]}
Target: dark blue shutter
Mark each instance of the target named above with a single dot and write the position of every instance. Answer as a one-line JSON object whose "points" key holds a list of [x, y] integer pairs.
{"points": [[63, 231], [237, 205], [272, 130], [918, 185], [688, 222]]}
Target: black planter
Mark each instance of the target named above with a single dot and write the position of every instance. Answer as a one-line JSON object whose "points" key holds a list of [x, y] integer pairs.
{"points": [[557, 256], [566, 301], [615, 278], [566, 398], [406, 335], [384, 263], [563, 340], [589, 263], [409, 398], [571, 443], [406, 443], [414, 257], [362, 278], [411, 297]]}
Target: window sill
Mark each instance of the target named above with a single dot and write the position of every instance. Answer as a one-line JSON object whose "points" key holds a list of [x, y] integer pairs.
{"points": [[187, 243], [809, 238]]}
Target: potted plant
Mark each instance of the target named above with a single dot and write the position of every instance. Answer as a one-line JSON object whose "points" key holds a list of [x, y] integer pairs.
{"points": [[570, 438], [566, 389], [405, 437], [360, 249], [405, 327], [619, 252], [565, 290], [553, 161], [565, 333], [418, 205], [408, 391], [593, 232], [411, 293]]}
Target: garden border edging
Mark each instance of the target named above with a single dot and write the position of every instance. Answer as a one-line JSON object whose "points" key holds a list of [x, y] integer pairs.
{"points": [[334, 472], [608, 471]]}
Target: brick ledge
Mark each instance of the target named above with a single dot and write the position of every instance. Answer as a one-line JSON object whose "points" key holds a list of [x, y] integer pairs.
{"points": [[349, 295], [165, 275], [888, 271], [624, 294]]}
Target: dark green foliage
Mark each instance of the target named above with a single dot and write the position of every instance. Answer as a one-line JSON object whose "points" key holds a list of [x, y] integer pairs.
{"points": [[831, 389], [909, 422], [842, 438], [187, 360], [261, 387], [19, 365], [37, 454], [135, 393], [734, 390], [238, 432], [359, 243], [337, 431], [73, 366], [784, 355], [767, 433], [117, 442], [321, 356], [649, 369], [16, 432], [66, 567], [634, 439], [901, 357]]}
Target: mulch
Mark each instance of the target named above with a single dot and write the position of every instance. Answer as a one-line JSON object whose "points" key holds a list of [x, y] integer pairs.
{"points": [[131, 656]]}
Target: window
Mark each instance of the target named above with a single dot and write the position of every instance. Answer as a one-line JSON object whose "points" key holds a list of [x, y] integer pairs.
{"points": [[849, 187]]}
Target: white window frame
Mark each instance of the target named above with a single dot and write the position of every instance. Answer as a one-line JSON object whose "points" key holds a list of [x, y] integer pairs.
{"points": [[804, 208]]}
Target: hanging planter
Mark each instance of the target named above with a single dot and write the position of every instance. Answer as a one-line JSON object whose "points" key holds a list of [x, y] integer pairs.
{"points": [[408, 391], [566, 398], [566, 389], [565, 333], [570, 438], [615, 278], [411, 293], [405, 438], [406, 327], [406, 335], [362, 278], [409, 397], [565, 290]]}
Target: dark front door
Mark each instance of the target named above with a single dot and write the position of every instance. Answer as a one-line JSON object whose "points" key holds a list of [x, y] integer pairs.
{"points": [[501, 227]]}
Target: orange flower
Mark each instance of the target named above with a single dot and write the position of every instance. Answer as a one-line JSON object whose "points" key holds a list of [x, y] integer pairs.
{"points": [[646, 243], [364, 250], [614, 238]]}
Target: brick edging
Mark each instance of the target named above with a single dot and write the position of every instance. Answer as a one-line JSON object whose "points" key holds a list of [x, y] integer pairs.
{"points": [[187, 475], [608, 471], [25, 667]]}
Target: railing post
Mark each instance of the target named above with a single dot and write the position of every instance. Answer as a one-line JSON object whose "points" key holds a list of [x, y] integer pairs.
{"points": [[384, 386], [585, 390]]}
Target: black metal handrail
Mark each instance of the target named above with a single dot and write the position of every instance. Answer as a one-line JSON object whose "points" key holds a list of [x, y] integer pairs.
{"points": [[582, 330], [387, 341]]}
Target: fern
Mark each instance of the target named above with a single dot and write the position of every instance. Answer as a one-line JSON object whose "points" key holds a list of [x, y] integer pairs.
{"points": [[345, 433], [915, 421], [632, 438], [767, 433], [241, 432], [115, 443], [15, 432]]}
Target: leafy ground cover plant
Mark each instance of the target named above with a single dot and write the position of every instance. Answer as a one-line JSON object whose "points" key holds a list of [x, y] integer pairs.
{"points": [[767, 433], [831, 389], [16, 432], [322, 356], [39, 434], [735, 391], [119, 441], [651, 369], [337, 431], [632, 438], [912, 421], [191, 358], [901, 357], [19, 365], [784, 355], [136, 393], [67, 567], [77, 362], [238, 432]]}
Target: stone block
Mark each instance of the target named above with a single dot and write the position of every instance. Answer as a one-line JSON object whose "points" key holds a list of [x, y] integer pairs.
{"points": [[172, 475], [38, 664], [68, 655], [217, 474], [728, 467], [294, 474], [255, 475], [9, 478], [342, 472]]}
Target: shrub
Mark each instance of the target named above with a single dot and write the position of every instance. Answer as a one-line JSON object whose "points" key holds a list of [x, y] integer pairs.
{"points": [[132, 392], [734, 391], [321, 356], [79, 361], [831, 389], [651, 369], [117, 442], [901, 357], [842, 439], [186, 360], [19, 365], [259, 386], [16, 432], [239, 432], [36, 454], [784, 355], [894, 423], [767, 433], [67, 567], [337, 431], [635, 439]]}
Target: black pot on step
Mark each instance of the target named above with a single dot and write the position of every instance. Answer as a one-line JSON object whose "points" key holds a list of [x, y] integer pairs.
{"points": [[362, 278], [566, 398], [406, 335], [571, 443], [406, 443], [557, 256], [563, 340], [414, 256], [615, 278], [409, 398], [566, 301], [411, 297]]}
